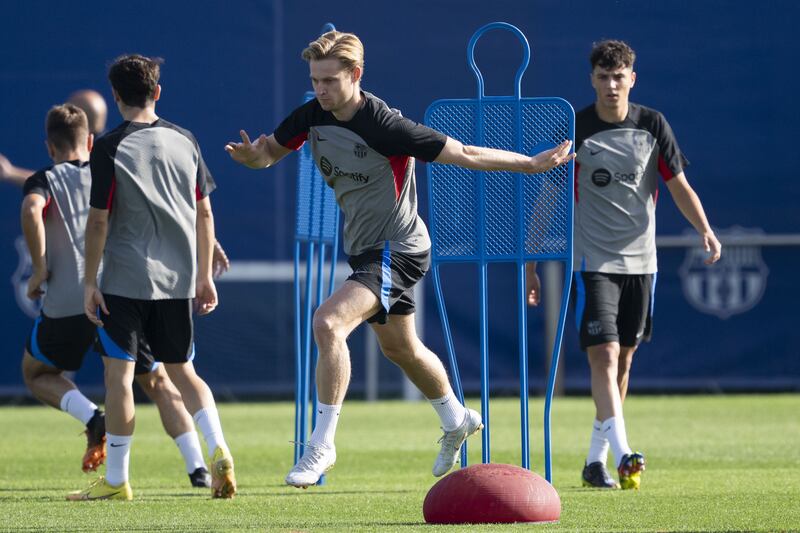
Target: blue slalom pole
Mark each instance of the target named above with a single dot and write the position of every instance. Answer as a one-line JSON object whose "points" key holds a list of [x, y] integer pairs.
{"points": [[451, 352], [299, 403], [551, 381], [304, 390], [523, 368], [315, 354]]}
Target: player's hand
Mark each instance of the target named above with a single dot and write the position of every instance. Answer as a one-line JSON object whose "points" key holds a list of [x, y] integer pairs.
{"points": [[544, 161], [248, 153], [92, 299], [35, 290], [711, 245], [205, 299], [219, 261], [5, 167], [533, 287]]}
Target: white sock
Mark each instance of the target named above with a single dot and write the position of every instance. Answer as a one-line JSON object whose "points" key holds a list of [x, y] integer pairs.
{"points": [[78, 405], [450, 411], [598, 447], [118, 455], [208, 421], [614, 430], [325, 428], [189, 445]]}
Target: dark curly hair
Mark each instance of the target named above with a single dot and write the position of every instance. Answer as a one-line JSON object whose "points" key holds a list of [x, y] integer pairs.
{"points": [[135, 78], [611, 54]]}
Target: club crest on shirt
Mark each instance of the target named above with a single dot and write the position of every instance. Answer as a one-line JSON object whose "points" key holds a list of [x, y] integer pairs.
{"points": [[360, 151], [20, 280], [734, 285]]}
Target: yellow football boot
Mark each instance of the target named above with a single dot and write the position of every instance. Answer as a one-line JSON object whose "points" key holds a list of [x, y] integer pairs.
{"points": [[630, 471], [223, 481], [101, 490]]}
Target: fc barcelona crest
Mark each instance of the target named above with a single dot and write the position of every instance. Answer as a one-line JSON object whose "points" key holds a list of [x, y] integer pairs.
{"points": [[734, 285], [360, 151]]}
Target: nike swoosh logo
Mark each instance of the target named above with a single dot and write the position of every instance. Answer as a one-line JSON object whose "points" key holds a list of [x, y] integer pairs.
{"points": [[595, 152], [320, 139], [115, 445]]}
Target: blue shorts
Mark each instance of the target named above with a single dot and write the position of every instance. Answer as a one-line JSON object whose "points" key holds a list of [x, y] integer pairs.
{"points": [[64, 342]]}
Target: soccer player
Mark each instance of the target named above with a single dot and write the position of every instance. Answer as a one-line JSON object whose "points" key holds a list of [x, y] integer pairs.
{"points": [[366, 152], [53, 217], [622, 149], [151, 222], [94, 105]]}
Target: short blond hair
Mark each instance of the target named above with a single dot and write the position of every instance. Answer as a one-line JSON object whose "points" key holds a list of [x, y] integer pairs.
{"points": [[346, 47]]}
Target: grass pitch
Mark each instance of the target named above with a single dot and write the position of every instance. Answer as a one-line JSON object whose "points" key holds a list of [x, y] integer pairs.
{"points": [[715, 463]]}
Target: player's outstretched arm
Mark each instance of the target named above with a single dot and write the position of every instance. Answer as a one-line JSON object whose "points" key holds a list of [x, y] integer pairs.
{"points": [[32, 220], [11, 173], [262, 153], [481, 158], [689, 204]]}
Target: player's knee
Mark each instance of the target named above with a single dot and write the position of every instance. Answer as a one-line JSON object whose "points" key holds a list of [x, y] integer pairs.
{"points": [[604, 357], [29, 373], [31, 369], [116, 380], [326, 327], [397, 354], [153, 383]]}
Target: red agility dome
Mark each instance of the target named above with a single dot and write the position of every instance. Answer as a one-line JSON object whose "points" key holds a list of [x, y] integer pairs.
{"points": [[488, 493]]}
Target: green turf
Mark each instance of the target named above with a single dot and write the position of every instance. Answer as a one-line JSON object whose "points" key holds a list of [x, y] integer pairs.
{"points": [[718, 463]]}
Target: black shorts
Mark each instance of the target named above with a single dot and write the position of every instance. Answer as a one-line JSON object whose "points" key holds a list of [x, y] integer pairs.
{"points": [[64, 342], [391, 276], [614, 308], [166, 325]]}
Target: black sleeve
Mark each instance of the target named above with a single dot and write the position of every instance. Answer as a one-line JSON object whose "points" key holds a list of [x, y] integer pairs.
{"points": [[101, 164], [293, 131], [671, 159], [406, 137], [37, 184]]}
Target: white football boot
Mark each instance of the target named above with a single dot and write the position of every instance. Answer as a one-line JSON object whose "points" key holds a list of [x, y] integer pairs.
{"points": [[452, 441], [316, 460]]}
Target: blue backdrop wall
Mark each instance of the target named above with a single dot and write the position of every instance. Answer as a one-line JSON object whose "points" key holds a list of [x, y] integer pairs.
{"points": [[720, 70]]}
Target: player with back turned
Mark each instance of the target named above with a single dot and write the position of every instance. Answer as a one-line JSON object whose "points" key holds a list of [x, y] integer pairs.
{"points": [[151, 222]]}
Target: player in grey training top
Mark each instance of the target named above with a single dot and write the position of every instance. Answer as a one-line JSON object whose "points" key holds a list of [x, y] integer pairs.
{"points": [[54, 213], [622, 149], [151, 214], [366, 151]]}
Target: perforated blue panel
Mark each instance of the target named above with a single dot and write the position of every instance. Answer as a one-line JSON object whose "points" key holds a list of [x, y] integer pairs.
{"points": [[316, 203], [495, 216]]}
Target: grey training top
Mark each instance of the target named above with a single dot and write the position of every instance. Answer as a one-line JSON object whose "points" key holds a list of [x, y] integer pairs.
{"points": [[65, 186], [369, 162], [150, 177], [616, 175]]}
